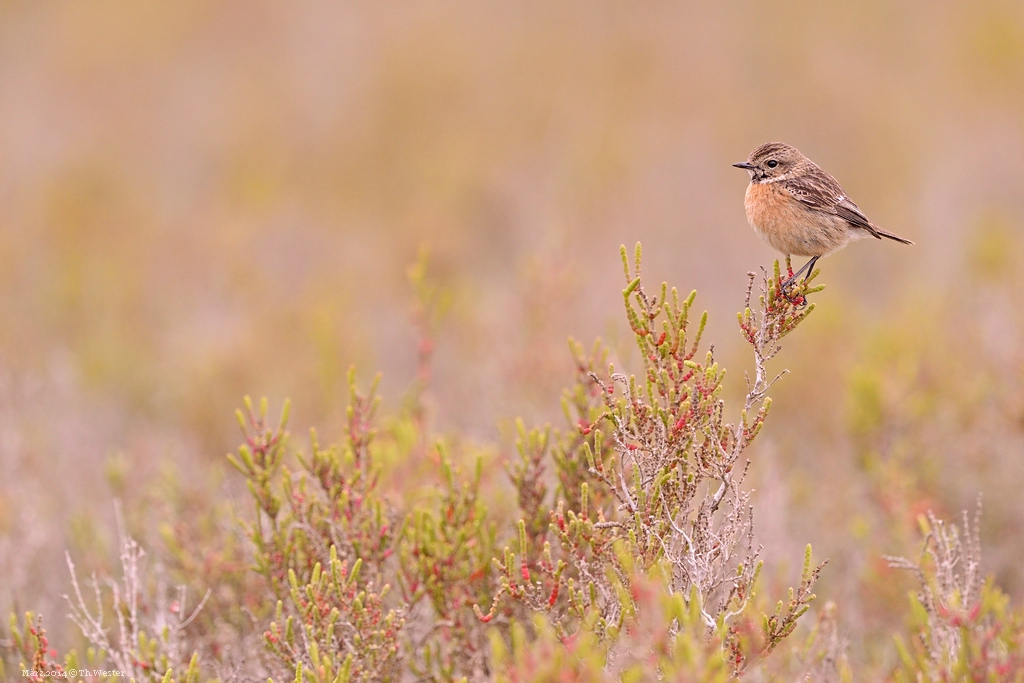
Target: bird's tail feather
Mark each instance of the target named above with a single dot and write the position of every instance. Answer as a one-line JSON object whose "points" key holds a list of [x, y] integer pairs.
{"points": [[885, 233]]}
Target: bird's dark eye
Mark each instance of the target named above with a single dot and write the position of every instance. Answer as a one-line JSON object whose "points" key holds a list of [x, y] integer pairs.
{"points": [[772, 163]]}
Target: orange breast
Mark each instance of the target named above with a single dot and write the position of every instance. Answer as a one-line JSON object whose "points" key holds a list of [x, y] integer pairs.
{"points": [[790, 227]]}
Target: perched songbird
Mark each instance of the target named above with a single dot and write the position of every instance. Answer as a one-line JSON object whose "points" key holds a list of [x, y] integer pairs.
{"points": [[800, 209]]}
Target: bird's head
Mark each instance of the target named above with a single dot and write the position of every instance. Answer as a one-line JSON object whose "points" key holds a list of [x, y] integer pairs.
{"points": [[772, 161]]}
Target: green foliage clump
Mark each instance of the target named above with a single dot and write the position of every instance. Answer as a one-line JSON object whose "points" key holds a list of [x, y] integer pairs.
{"points": [[962, 627], [322, 538], [650, 474]]}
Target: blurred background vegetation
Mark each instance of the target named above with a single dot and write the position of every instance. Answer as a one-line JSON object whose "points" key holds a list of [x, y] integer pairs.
{"points": [[199, 201]]}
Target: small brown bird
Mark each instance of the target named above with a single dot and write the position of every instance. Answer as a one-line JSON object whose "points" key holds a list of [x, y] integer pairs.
{"points": [[800, 209]]}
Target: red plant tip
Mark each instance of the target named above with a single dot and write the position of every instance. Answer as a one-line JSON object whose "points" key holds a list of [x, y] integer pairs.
{"points": [[554, 596], [632, 446], [661, 339], [975, 611], [175, 607], [611, 390], [525, 572]]}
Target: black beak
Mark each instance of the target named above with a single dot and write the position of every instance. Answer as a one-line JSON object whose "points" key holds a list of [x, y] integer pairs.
{"points": [[746, 166]]}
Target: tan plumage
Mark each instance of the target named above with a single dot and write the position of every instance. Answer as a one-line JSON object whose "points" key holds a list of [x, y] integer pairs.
{"points": [[799, 209]]}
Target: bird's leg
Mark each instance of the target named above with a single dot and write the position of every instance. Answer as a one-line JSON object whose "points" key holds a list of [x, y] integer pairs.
{"points": [[807, 267]]}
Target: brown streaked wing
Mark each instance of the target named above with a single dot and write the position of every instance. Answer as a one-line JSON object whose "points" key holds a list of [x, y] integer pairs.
{"points": [[819, 190]]}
